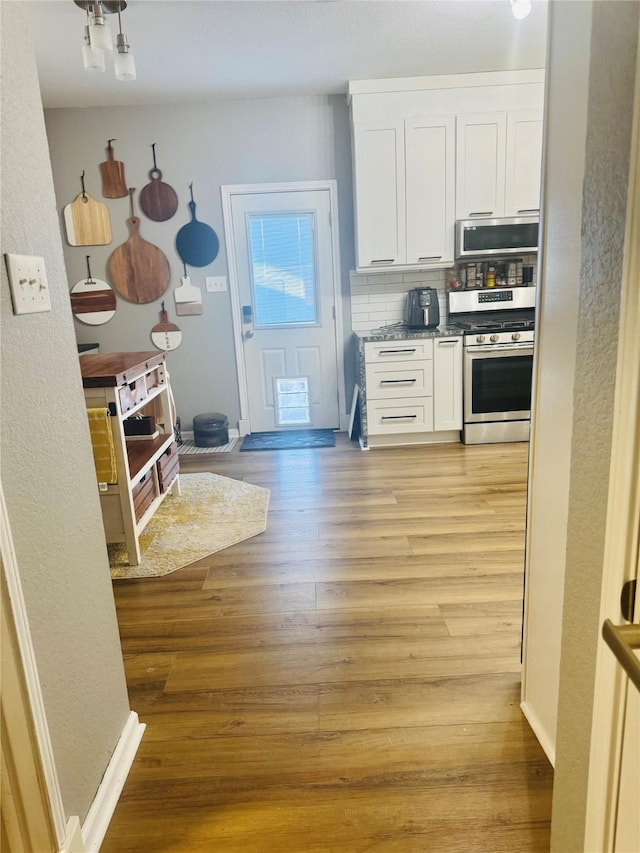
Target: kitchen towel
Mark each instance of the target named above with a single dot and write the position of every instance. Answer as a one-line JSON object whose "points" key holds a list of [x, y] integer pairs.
{"points": [[102, 443]]}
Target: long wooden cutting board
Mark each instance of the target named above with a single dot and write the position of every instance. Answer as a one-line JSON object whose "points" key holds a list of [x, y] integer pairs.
{"points": [[87, 222], [139, 271]]}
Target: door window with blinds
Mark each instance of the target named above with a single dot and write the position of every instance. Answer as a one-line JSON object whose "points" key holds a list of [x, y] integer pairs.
{"points": [[282, 266]]}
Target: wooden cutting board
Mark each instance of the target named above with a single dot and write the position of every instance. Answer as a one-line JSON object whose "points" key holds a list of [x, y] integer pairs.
{"points": [[158, 200], [188, 298], [93, 301], [87, 222], [139, 271], [112, 172], [165, 335]]}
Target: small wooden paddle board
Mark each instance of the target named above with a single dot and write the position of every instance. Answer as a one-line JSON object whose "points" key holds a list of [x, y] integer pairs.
{"points": [[196, 242], [139, 270], [165, 335], [112, 172], [158, 200], [188, 298], [87, 222]]}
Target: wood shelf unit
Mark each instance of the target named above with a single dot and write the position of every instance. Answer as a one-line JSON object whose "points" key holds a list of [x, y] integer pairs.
{"points": [[129, 384]]}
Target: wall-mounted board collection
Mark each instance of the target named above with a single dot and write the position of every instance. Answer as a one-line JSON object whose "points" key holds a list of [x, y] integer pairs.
{"points": [[138, 270]]}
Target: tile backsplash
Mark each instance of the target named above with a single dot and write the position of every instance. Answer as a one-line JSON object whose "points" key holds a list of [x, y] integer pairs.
{"points": [[379, 299]]}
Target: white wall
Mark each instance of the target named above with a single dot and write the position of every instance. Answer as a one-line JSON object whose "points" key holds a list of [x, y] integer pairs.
{"points": [[47, 473], [590, 76], [211, 144], [556, 335]]}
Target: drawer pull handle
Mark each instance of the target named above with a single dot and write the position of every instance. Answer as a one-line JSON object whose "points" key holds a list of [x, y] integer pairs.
{"points": [[382, 260], [430, 258], [448, 343], [398, 417], [482, 213], [530, 210], [395, 351], [396, 381]]}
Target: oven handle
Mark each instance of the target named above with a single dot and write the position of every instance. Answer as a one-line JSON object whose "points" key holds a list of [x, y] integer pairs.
{"points": [[499, 347]]}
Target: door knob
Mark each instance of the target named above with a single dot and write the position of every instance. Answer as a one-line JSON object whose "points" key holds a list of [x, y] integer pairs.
{"points": [[248, 333]]}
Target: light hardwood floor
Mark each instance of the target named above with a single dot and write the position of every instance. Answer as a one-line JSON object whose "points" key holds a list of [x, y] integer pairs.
{"points": [[349, 680]]}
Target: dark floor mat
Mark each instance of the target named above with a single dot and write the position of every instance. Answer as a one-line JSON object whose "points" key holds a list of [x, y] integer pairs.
{"points": [[289, 440]]}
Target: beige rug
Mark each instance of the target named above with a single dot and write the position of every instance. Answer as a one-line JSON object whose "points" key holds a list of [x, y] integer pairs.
{"points": [[212, 513]]}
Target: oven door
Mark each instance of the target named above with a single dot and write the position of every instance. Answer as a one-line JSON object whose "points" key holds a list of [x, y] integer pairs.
{"points": [[497, 382]]}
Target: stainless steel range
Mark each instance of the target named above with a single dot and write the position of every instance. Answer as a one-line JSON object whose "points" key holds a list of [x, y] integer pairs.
{"points": [[498, 327]]}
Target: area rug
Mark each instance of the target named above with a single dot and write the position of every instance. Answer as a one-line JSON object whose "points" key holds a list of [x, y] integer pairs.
{"points": [[289, 439], [212, 513], [189, 447]]}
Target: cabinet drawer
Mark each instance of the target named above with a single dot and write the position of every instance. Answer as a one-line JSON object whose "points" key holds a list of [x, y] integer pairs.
{"points": [[412, 350], [386, 381], [168, 466], [400, 416], [132, 394], [143, 494]]}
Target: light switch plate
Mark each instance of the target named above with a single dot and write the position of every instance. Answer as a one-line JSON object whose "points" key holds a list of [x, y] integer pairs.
{"points": [[216, 283], [28, 283]]}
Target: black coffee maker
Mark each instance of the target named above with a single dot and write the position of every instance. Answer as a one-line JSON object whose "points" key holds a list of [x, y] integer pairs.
{"points": [[423, 310]]}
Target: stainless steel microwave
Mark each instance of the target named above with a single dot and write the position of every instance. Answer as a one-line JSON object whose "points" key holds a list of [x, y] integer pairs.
{"points": [[477, 238]]}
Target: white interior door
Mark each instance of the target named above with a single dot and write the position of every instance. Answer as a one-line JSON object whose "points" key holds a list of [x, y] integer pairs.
{"points": [[283, 246]]}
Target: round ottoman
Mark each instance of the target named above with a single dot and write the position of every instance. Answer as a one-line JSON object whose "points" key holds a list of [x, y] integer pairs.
{"points": [[210, 429]]}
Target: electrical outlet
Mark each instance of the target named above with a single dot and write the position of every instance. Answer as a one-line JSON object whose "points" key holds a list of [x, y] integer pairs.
{"points": [[216, 283], [28, 283]]}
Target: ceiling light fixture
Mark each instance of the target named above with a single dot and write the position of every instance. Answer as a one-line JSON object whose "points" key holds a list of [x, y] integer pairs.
{"points": [[98, 40], [520, 8]]}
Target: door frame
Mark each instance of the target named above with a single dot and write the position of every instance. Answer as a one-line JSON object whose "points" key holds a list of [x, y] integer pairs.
{"points": [[228, 191], [622, 528]]}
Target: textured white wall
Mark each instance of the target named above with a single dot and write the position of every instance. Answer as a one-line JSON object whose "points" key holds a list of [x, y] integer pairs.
{"points": [[556, 331], [47, 466], [614, 44], [209, 143]]}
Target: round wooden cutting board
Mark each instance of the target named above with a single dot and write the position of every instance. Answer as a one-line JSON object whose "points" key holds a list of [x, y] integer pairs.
{"points": [[139, 271], [165, 335], [93, 301]]}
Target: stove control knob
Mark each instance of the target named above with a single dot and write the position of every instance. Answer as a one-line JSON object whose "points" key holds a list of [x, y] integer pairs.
{"points": [[480, 339], [494, 339], [516, 336]]}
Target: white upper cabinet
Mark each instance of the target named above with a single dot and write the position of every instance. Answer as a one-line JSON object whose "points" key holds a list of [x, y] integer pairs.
{"points": [[430, 150], [524, 162], [430, 189], [378, 154], [498, 163], [480, 164], [404, 191]]}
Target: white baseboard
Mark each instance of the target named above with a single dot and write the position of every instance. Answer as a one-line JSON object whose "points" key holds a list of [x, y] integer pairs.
{"points": [[540, 732], [99, 815]]}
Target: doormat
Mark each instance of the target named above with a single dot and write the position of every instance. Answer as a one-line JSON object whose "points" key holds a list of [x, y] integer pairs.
{"points": [[189, 447], [212, 513], [289, 440]]}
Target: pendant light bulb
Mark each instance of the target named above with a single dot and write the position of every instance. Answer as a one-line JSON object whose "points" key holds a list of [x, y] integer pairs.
{"points": [[123, 61], [100, 31], [93, 61], [520, 8]]}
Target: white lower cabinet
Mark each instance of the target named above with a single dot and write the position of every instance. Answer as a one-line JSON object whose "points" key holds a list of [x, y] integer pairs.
{"points": [[447, 381], [412, 390]]}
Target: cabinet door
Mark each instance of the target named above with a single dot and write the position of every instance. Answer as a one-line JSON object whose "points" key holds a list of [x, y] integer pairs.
{"points": [[447, 384], [430, 189], [524, 162], [378, 163], [480, 164]]}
